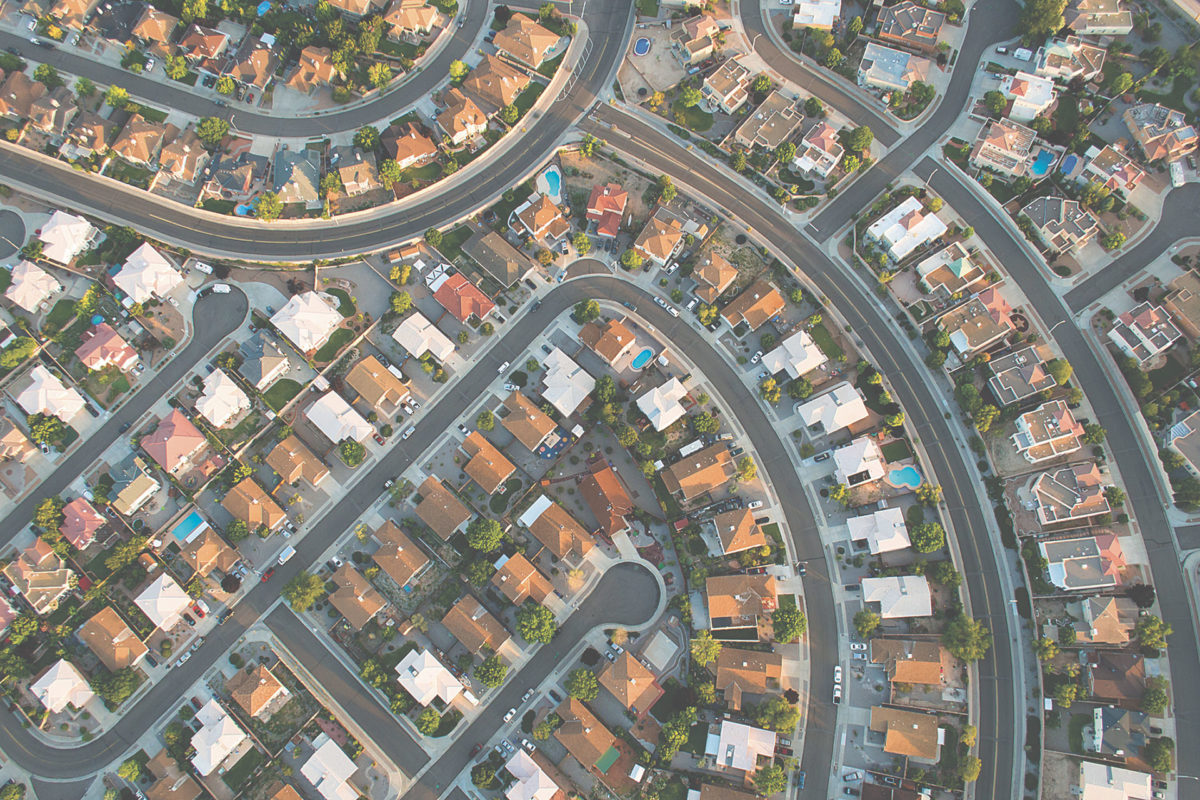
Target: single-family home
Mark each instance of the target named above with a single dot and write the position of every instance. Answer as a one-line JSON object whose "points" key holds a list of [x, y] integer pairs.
{"points": [[81, 522], [696, 39], [699, 473], [829, 412], [662, 237], [495, 83], [542, 221], [398, 556], [14, 444], [487, 466], [1111, 168], [526, 41], [565, 384], [556, 529], [585, 737], [202, 47], [297, 177], [858, 463], [18, 93], [1144, 332], [612, 341], [950, 271], [530, 781], [727, 88], [663, 405], [114, 643], [747, 673], [147, 274], [978, 323], [1103, 781], [139, 141], [438, 508], [1182, 302], [292, 461], [772, 123], [411, 18], [184, 157], [154, 26], [208, 553], [909, 661], [819, 14], [740, 601], [463, 299], [1163, 133], [1019, 375], [461, 120], [218, 737], [1098, 18], [334, 417], [41, 576], [307, 320], [1028, 95], [1047, 432], [408, 145], [175, 444], [498, 258], [910, 25], [355, 598], [1084, 562], [262, 361], [222, 399], [474, 626], [163, 602], [31, 286], [356, 170], [313, 70], [254, 63], [633, 685], [906, 228], [1069, 58], [52, 112], [238, 177], [249, 502], [258, 691], [61, 686], [1004, 147], [912, 734], [1103, 620], [713, 276], [898, 596], [1062, 224], [738, 531], [40, 391], [607, 496], [819, 151], [90, 133], [1118, 678], [133, 484], [606, 208], [882, 531], [1069, 496], [740, 748], [529, 424], [519, 579], [329, 769], [418, 336], [757, 305], [795, 356], [890, 69], [65, 236], [377, 386]]}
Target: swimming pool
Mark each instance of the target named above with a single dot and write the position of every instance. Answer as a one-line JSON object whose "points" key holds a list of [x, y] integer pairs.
{"points": [[549, 183], [1041, 164], [1068, 164], [97, 319], [642, 358], [189, 527], [904, 477], [641, 46]]}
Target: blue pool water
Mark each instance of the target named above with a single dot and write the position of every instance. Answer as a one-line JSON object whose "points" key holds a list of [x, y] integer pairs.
{"points": [[1068, 164], [642, 358], [96, 320], [263, 7], [641, 46], [905, 476], [553, 182], [1041, 164], [190, 525], [244, 210]]}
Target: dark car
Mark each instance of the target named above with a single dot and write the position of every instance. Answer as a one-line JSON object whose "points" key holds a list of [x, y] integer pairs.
{"points": [[151, 660], [126, 427], [266, 576], [822, 457], [378, 438], [189, 620], [475, 750]]}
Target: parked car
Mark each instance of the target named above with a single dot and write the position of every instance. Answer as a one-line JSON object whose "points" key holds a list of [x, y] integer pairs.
{"points": [[189, 620], [758, 354], [389, 483], [528, 694], [859, 646], [837, 695], [512, 712], [528, 745], [853, 777], [199, 611], [754, 504], [837, 674], [463, 429], [801, 569], [821, 457], [500, 369], [125, 426], [378, 438], [475, 750], [511, 387], [266, 576], [409, 431], [555, 696], [800, 776]]}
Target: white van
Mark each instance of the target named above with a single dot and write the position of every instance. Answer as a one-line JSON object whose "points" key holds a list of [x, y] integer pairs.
{"points": [[286, 554]]}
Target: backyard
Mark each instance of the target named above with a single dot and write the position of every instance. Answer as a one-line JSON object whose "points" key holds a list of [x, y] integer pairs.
{"points": [[340, 338], [281, 393]]}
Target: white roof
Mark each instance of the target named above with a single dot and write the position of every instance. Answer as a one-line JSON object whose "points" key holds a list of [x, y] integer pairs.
{"points": [[566, 383], [897, 230], [417, 335], [334, 417], [424, 677], [60, 686], [46, 394], [222, 399], [218, 736], [900, 596], [163, 601], [816, 13], [840, 407], [31, 286], [307, 320], [65, 236], [795, 355], [535, 510], [884, 530], [329, 769], [532, 783], [1106, 782], [662, 405], [740, 746], [860, 456], [145, 274], [1035, 93], [659, 652]]}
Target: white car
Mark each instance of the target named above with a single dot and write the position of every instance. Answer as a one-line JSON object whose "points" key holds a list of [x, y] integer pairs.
{"points": [[671, 269], [661, 303], [753, 504], [511, 387], [512, 712], [837, 694], [502, 367], [205, 268], [754, 359], [857, 646], [673, 311], [409, 431], [837, 675], [150, 62], [221, 288]]}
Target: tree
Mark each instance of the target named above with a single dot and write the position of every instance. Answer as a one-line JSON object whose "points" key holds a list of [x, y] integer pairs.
{"points": [[1155, 699], [212, 130], [458, 71], [705, 422], [176, 67], [581, 243], [705, 648], [268, 207], [854, 28], [1065, 694], [762, 84], [331, 183], [944, 573], [390, 172], [770, 780], [689, 96], [995, 102], [834, 58], [865, 623], [1159, 753], [666, 189], [1112, 240], [707, 314], [631, 259], [352, 452], [928, 537], [491, 672], [860, 138], [1060, 369], [45, 429], [400, 302], [851, 163], [929, 494], [840, 493], [582, 685], [1093, 433], [586, 311], [589, 145], [48, 75], [434, 237], [124, 553], [1151, 632], [428, 722], [967, 638], [367, 137], [785, 153], [48, 515], [510, 114], [777, 714], [922, 93], [194, 10], [1121, 83], [303, 590], [1040, 18], [788, 623], [535, 623], [226, 85], [1142, 594], [131, 770], [969, 768], [21, 628], [237, 530], [483, 775], [486, 420], [484, 534], [84, 87], [968, 736], [116, 97], [747, 470], [1046, 649], [379, 75], [770, 391]]}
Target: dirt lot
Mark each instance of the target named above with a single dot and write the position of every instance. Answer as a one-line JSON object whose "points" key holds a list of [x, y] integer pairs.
{"points": [[584, 173]]}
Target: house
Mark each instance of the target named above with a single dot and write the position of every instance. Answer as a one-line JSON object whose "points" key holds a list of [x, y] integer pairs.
{"points": [[1099, 781], [950, 272], [397, 555], [461, 120], [248, 502], [297, 177], [585, 737], [463, 299], [408, 145], [740, 601], [542, 221], [307, 320], [258, 691], [819, 152], [713, 276], [1084, 562], [1116, 677], [40, 391], [1112, 169], [1068, 496], [757, 305], [663, 405], [1004, 147], [556, 529], [526, 41], [739, 747], [565, 384], [139, 141], [772, 123], [471, 624], [31, 286], [14, 444], [518, 579], [116, 23], [700, 473], [746, 672], [738, 531], [1019, 375], [238, 177], [357, 8], [911, 734], [418, 336], [1184, 439], [163, 602], [1029, 95], [498, 258], [90, 133], [612, 341], [1144, 332], [1118, 733], [440, 509], [1047, 432], [133, 484], [1182, 302], [727, 88], [41, 576], [795, 356], [978, 323], [661, 239], [899, 597], [154, 26], [607, 496], [410, 18], [1069, 58], [61, 686], [202, 47], [891, 70], [52, 112], [71, 14], [1098, 18], [606, 208], [329, 770], [222, 399], [313, 70], [172, 783], [18, 93], [254, 63], [263, 362], [184, 157], [631, 683], [334, 417], [218, 737], [487, 466], [292, 461], [175, 444], [355, 598], [696, 39], [65, 236], [208, 553], [881, 531], [1103, 620], [113, 642], [147, 274], [1161, 132], [529, 424], [530, 781], [495, 83], [819, 14], [858, 463], [80, 523], [1062, 224], [831, 411], [910, 25], [909, 661], [906, 228], [377, 386], [355, 169]]}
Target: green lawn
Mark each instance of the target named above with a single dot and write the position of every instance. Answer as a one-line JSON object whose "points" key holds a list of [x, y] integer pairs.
{"points": [[1001, 191], [1169, 374], [550, 67], [697, 739], [280, 393], [345, 303], [695, 118], [235, 777], [452, 241], [218, 206], [5, 279], [527, 98], [1176, 98], [896, 451], [1075, 731], [425, 173], [675, 789], [128, 173], [149, 114], [340, 338], [824, 340], [60, 315], [647, 8]]}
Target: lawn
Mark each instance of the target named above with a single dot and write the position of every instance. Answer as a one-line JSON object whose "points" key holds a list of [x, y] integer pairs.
{"points": [[60, 315], [694, 118], [527, 98], [1001, 191], [345, 303], [425, 173], [5, 279], [675, 789], [237, 775], [1176, 98], [128, 173], [697, 739], [550, 67], [452, 241], [647, 8], [896, 451], [666, 499], [824, 340], [771, 529], [1075, 731], [676, 697], [280, 393], [1169, 374], [800, 184], [218, 206], [340, 338]]}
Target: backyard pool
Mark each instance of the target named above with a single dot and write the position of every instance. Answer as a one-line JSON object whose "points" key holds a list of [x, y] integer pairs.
{"points": [[642, 358], [97, 319], [549, 183], [641, 46], [1041, 165], [190, 527], [904, 477], [1068, 164]]}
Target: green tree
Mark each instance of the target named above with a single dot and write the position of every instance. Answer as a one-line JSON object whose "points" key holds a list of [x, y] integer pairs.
{"points": [[968, 736], [813, 106], [928, 537], [212, 130], [1152, 632], [535, 623], [1065, 694], [131, 770], [48, 75], [705, 648], [777, 714], [1155, 699], [331, 184], [84, 87], [1060, 369], [865, 623], [929, 494], [484, 535], [379, 75], [176, 67], [944, 573], [1040, 18], [666, 189], [860, 139], [589, 145], [586, 311], [428, 722], [582, 685], [770, 780], [707, 314], [747, 470], [21, 628], [834, 58], [458, 71], [739, 162], [1045, 649], [785, 152], [689, 96], [486, 420], [479, 572], [303, 590], [367, 137], [268, 207], [788, 623], [800, 389], [762, 84], [1112, 240], [510, 114], [840, 493], [48, 515], [1093, 433], [226, 85], [631, 260], [705, 422], [400, 302], [984, 417], [969, 768], [966, 638], [352, 452], [674, 734], [1121, 83], [116, 97], [770, 390], [581, 243], [995, 102], [1159, 753], [491, 672]]}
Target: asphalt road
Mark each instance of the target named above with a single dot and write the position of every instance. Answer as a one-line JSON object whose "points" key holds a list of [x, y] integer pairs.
{"points": [[910, 382], [222, 314], [1139, 483]]}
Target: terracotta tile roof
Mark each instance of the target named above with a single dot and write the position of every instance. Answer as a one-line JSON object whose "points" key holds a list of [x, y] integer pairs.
{"points": [[355, 599], [208, 552], [526, 421], [518, 579], [743, 672], [80, 523], [738, 531], [472, 625], [543, 220], [410, 17], [113, 642], [174, 442], [440, 509], [561, 532], [525, 40], [292, 460], [661, 236], [909, 661], [18, 93], [398, 555], [714, 274], [53, 111], [248, 502], [607, 497], [377, 385], [92, 131], [606, 207], [906, 733], [701, 472], [755, 306], [628, 680], [584, 736], [740, 596], [488, 467], [463, 299], [140, 140], [461, 118], [256, 63], [155, 25], [184, 156], [314, 69], [199, 42], [496, 82], [408, 144], [610, 341], [41, 576], [254, 689]]}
